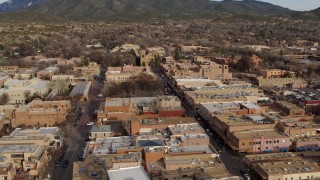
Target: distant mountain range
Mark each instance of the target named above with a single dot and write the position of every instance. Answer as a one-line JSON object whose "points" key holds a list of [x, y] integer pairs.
{"points": [[16, 5], [92, 10]]}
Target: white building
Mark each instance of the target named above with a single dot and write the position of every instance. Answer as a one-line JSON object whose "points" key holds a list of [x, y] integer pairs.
{"points": [[17, 89]]}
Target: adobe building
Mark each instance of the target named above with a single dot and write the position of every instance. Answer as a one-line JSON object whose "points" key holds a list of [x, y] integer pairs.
{"points": [[18, 89], [288, 109], [262, 141], [41, 113], [206, 94], [283, 166], [9, 69], [190, 166], [225, 125], [47, 73], [208, 110], [122, 74], [120, 109], [275, 73], [27, 151], [298, 129], [148, 55], [281, 82], [90, 72], [81, 90], [144, 125], [95, 164]]}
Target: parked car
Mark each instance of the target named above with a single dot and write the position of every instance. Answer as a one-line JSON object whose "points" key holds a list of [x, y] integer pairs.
{"points": [[60, 159], [244, 173], [90, 123], [65, 164], [79, 157], [100, 95]]}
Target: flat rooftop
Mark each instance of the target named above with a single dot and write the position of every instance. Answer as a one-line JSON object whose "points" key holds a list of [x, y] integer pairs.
{"points": [[289, 167], [185, 128], [41, 130], [129, 173], [126, 101], [188, 149], [216, 107], [18, 148], [271, 156], [220, 96], [111, 144], [237, 120], [81, 88], [96, 165], [288, 105], [221, 87], [214, 167], [166, 120], [259, 134]]}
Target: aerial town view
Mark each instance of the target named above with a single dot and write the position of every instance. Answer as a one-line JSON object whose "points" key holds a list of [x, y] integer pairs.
{"points": [[159, 90]]}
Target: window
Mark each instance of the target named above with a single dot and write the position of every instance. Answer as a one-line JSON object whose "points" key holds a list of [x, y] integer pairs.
{"points": [[258, 148], [243, 144], [266, 147], [277, 141], [267, 142]]}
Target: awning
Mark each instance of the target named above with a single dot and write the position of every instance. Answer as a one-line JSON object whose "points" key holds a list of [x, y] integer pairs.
{"points": [[268, 151], [314, 148], [284, 149], [301, 149]]}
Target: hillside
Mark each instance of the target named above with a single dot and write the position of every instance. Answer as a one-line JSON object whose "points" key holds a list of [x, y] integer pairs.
{"points": [[250, 7], [146, 9], [316, 12], [28, 17], [129, 10]]}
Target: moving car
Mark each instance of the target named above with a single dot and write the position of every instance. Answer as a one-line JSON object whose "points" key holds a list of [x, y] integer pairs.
{"points": [[65, 164]]}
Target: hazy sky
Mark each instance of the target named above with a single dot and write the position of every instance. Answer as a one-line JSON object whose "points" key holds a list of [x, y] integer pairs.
{"points": [[299, 5]]}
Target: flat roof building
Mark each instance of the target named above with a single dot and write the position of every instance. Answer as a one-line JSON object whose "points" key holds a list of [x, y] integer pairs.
{"points": [[82, 90], [19, 90], [259, 141], [41, 113], [96, 166], [26, 150], [132, 173]]}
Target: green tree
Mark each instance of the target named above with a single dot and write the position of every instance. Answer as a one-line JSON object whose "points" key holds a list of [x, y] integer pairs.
{"points": [[176, 55], [287, 74], [309, 71], [85, 61], [281, 52]]}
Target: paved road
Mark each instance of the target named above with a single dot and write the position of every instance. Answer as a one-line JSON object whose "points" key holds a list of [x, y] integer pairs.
{"points": [[77, 135]]}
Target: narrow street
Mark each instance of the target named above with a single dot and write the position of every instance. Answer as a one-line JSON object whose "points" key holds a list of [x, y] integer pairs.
{"points": [[77, 135]]}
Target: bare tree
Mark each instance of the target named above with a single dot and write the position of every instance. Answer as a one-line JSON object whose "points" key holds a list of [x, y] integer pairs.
{"points": [[4, 99], [27, 95]]}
